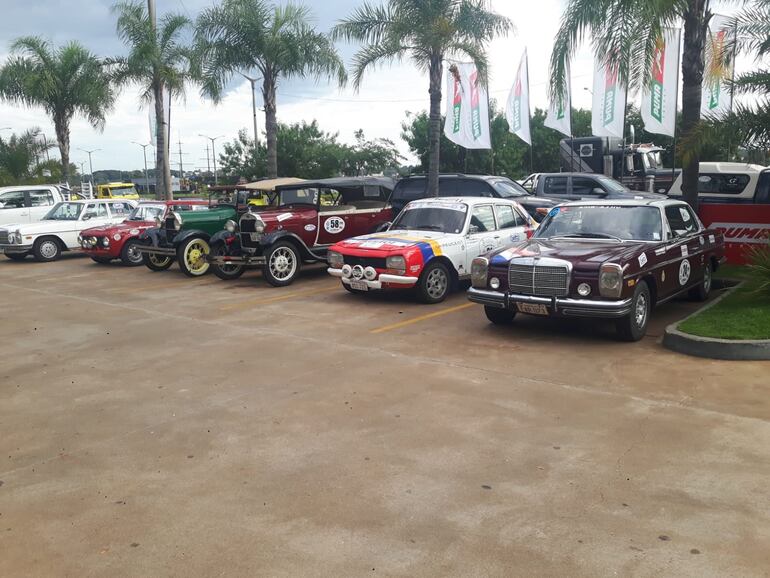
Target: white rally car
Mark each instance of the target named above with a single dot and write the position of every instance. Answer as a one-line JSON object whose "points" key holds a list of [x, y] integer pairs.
{"points": [[60, 228], [430, 245]]}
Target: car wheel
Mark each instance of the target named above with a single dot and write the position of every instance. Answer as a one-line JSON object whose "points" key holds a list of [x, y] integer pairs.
{"points": [[102, 260], [130, 254], [157, 262], [16, 256], [226, 272], [633, 327], [701, 292], [499, 316], [434, 283], [192, 257], [46, 249], [282, 264]]}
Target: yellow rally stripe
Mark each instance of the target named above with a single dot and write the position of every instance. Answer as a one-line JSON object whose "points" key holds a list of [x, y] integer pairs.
{"points": [[421, 318], [264, 301], [435, 246]]}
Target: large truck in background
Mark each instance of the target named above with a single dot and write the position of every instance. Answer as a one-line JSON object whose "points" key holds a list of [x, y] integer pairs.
{"points": [[638, 166]]}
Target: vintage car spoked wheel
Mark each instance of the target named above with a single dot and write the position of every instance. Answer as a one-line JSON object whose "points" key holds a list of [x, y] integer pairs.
{"points": [[130, 254], [225, 272], [192, 257], [701, 292], [434, 283], [16, 256], [157, 262], [633, 327], [46, 249], [499, 316], [281, 264]]}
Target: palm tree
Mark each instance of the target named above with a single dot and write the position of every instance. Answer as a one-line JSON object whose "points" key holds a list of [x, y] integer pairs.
{"points": [[65, 81], [20, 155], [159, 62], [245, 35], [624, 35], [427, 31]]}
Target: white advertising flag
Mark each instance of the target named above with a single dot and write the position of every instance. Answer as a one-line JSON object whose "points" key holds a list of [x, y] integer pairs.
{"points": [[517, 111], [609, 101], [659, 96], [716, 99], [467, 108], [559, 111]]}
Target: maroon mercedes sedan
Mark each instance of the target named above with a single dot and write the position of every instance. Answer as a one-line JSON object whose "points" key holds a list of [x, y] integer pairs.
{"points": [[604, 259]]}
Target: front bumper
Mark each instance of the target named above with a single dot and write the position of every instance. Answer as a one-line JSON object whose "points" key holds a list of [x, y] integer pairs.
{"points": [[244, 260], [382, 279], [563, 306], [13, 249]]}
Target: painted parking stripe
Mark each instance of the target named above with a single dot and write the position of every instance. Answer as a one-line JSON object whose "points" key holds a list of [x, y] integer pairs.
{"points": [[421, 318], [266, 300]]}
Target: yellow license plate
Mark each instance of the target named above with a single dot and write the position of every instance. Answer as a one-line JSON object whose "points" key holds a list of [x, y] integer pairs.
{"points": [[532, 308]]}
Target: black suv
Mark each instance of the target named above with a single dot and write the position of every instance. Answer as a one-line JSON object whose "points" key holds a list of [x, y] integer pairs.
{"points": [[583, 186], [459, 185]]}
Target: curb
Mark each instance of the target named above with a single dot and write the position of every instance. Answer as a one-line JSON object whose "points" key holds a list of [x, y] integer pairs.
{"points": [[712, 347]]}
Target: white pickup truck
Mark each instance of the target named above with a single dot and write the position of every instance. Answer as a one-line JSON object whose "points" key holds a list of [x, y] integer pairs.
{"points": [[29, 203]]}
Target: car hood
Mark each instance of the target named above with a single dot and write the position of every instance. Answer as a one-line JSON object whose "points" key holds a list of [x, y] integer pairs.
{"points": [[388, 241], [47, 227], [583, 254], [125, 226]]}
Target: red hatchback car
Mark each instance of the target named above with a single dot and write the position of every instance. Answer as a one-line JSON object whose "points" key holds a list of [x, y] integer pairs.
{"points": [[103, 244]]}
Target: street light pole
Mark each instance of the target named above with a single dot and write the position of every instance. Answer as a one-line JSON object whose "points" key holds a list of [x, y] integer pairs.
{"points": [[90, 164], [213, 154], [144, 152], [253, 82]]}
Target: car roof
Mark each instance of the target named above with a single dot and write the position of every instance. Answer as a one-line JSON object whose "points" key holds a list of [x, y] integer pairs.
{"points": [[576, 174], [624, 203], [470, 201], [460, 176], [724, 167]]}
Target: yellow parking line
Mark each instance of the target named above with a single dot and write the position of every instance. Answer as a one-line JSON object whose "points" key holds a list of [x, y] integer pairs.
{"points": [[421, 318], [263, 301]]}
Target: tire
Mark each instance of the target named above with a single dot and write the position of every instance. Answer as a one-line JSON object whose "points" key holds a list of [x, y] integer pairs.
{"points": [[499, 316], [435, 283], [157, 262], [282, 264], [191, 256], [701, 292], [633, 327], [130, 255], [226, 272], [16, 256], [101, 260], [46, 249]]}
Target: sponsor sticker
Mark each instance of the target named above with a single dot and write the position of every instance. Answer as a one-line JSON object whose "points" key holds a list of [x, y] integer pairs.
{"points": [[283, 216], [642, 260], [685, 214], [712, 239], [334, 225], [684, 272], [372, 244], [685, 251], [133, 232], [553, 212], [116, 237], [435, 205], [660, 251], [310, 227]]}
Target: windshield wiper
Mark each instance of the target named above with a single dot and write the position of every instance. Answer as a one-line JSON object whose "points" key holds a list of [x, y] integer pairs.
{"points": [[591, 236], [429, 227]]}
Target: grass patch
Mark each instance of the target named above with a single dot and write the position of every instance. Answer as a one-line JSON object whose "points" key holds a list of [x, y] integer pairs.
{"points": [[727, 271], [744, 314]]}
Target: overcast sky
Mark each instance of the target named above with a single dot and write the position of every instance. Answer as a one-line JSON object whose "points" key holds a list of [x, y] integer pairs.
{"points": [[379, 108]]}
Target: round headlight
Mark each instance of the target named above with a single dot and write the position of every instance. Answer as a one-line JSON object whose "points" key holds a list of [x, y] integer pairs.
{"points": [[259, 226], [11, 237], [230, 226], [106, 241], [347, 271], [494, 283], [370, 273], [584, 289], [335, 259], [358, 272]]}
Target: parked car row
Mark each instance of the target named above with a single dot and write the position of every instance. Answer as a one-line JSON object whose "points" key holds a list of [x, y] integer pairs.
{"points": [[612, 258]]}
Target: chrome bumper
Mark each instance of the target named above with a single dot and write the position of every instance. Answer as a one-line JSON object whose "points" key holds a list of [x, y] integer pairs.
{"points": [[11, 249], [384, 278], [557, 305]]}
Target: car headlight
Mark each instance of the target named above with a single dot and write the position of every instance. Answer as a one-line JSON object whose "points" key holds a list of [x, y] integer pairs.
{"points": [[479, 267], [611, 280], [370, 273], [584, 289], [396, 263], [106, 241], [259, 225], [347, 271], [11, 237], [335, 259], [230, 226], [177, 221], [80, 240]]}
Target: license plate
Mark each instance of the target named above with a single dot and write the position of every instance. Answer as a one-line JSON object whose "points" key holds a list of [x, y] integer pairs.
{"points": [[532, 308], [359, 285], [255, 236]]}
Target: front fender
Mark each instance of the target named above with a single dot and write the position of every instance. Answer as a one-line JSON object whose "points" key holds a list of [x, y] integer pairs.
{"points": [[272, 238], [184, 236], [222, 236], [150, 237]]}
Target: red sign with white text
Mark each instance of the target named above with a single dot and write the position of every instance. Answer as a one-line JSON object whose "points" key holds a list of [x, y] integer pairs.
{"points": [[744, 227]]}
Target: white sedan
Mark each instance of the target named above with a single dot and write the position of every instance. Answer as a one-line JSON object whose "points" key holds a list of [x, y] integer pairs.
{"points": [[59, 230]]}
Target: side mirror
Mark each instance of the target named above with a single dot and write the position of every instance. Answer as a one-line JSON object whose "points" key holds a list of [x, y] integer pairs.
{"points": [[473, 229], [88, 216]]}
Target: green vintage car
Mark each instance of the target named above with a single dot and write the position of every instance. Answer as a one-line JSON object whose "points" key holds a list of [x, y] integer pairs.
{"points": [[184, 236]]}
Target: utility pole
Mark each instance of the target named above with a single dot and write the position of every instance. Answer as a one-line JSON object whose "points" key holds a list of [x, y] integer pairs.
{"points": [[253, 82], [90, 164], [144, 152], [213, 154], [208, 162]]}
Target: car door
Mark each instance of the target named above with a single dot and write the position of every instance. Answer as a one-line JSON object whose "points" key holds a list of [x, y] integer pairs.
{"points": [[14, 207], [511, 224], [683, 267], [587, 188], [40, 202], [554, 186], [483, 235]]}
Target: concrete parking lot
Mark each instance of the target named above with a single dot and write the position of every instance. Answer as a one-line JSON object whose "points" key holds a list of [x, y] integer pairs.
{"points": [[153, 425]]}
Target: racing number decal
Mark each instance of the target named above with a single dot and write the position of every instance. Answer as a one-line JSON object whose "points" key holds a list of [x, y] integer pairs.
{"points": [[684, 272], [334, 225]]}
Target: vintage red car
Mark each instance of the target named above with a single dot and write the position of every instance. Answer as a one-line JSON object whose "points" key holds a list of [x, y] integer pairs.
{"points": [[103, 244], [605, 259]]}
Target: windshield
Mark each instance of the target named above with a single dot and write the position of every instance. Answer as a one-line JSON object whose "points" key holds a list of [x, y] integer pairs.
{"points": [[147, 212], [618, 222], [119, 190], [65, 212], [509, 190], [611, 185], [298, 196], [442, 217]]}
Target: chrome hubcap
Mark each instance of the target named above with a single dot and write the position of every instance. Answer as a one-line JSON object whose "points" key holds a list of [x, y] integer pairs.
{"points": [[436, 283], [283, 263], [133, 254], [707, 279], [48, 249], [640, 313]]}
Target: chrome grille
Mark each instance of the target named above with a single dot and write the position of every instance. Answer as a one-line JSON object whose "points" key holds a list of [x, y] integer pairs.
{"points": [[4, 237], [541, 280]]}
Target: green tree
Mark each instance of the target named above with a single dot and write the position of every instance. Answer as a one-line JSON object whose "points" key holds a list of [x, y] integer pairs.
{"points": [[158, 61], [278, 41], [369, 157], [64, 81], [427, 31], [624, 34], [20, 156]]}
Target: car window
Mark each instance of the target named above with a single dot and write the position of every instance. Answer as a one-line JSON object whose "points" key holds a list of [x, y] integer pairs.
{"points": [[410, 189], [299, 196], [507, 217], [610, 184], [95, 210], [725, 184], [12, 200], [120, 209], [681, 220], [762, 194], [483, 218], [474, 188], [447, 188], [584, 186], [40, 198], [509, 189], [555, 186]]}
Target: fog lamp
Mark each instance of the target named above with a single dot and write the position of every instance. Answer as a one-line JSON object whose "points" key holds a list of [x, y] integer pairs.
{"points": [[494, 283], [370, 273], [584, 289], [358, 272], [347, 271]]}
